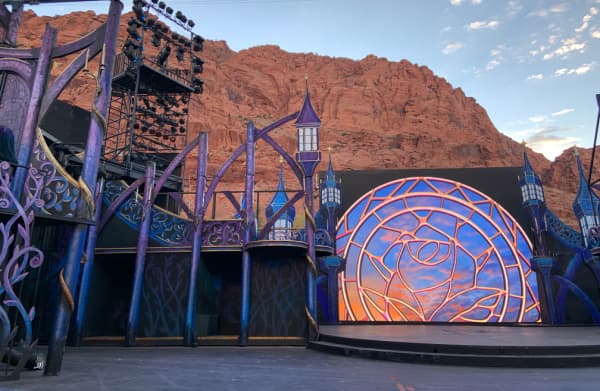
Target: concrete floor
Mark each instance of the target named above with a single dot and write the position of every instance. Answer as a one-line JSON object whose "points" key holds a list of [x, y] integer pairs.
{"points": [[280, 368]]}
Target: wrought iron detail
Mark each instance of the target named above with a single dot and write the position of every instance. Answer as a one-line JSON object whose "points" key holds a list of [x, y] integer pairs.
{"points": [[61, 193], [165, 227], [222, 233], [17, 257], [565, 234]]}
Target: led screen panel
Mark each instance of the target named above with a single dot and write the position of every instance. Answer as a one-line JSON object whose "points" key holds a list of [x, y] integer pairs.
{"points": [[432, 249]]}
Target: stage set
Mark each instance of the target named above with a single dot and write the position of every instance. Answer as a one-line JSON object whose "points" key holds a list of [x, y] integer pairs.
{"points": [[105, 243]]}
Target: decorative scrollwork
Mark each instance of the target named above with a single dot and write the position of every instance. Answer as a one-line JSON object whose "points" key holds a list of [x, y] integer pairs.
{"points": [[222, 233], [322, 238], [170, 229], [565, 234], [17, 254], [61, 193], [165, 227], [594, 237]]}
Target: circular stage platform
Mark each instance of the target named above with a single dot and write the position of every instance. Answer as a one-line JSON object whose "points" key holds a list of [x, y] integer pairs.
{"points": [[533, 346]]}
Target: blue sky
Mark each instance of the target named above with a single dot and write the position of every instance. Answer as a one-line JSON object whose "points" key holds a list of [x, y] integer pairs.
{"points": [[534, 65]]}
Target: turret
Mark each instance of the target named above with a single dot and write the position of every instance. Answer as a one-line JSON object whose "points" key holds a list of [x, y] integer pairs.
{"points": [[585, 205]]}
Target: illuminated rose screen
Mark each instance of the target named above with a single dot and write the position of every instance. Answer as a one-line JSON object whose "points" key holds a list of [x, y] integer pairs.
{"points": [[429, 249]]}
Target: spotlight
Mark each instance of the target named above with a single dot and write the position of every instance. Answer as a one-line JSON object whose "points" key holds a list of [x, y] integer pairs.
{"points": [[175, 36], [185, 99], [181, 121], [191, 23], [163, 55], [198, 42], [165, 136], [150, 22], [173, 129], [182, 129], [144, 129], [155, 1], [162, 5], [155, 41], [173, 139], [132, 29], [139, 10], [136, 126], [169, 10], [179, 54]]}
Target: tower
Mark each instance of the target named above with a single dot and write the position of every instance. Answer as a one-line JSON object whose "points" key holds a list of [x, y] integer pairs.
{"points": [[585, 206], [283, 225], [542, 263]]}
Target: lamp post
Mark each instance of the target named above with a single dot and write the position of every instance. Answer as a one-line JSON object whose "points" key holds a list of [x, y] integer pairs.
{"points": [[543, 264], [308, 157]]}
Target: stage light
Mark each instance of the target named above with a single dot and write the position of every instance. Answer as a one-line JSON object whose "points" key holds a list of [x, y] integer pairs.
{"points": [[185, 99], [155, 41], [175, 36], [138, 9], [169, 10], [132, 29], [173, 129], [173, 139], [191, 23], [136, 125], [150, 23], [162, 5], [144, 129], [179, 54], [182, 129], [182, 40], [165, 136], [198, 43], [182, 121], [163, 55]]}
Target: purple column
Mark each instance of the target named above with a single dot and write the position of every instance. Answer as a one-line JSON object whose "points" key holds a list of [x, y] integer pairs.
{"points": [[60, 323], [190, 320], [13, 27], [88, 266], [40, 80], [248, 235], [140, 256], [311, 290]]}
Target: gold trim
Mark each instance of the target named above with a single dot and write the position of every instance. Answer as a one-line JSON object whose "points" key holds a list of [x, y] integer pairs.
{"points": [[310, 218], [312, 264], [65, 290], [50, 156], [87, 195], [311, 320]]}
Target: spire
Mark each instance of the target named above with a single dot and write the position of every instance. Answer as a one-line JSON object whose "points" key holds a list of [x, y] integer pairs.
{"points": [[279, 200], [330, 179], [307, 116], [586, 202]]}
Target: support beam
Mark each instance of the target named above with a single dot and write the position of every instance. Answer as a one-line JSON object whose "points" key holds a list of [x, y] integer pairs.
{"points": [[60, 325], [140, 256], [248, 234], [190, 319]]}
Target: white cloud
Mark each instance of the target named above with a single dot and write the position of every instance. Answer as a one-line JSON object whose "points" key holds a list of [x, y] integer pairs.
{"points": [[513, 7], [553, 9], [580, 70], [568, 46], [452, 47], [482, 24], [550, 141], [492, 64], [537, 76], [595, 33], [459, 2], [562, 112], [585, 21], [537, 119]]}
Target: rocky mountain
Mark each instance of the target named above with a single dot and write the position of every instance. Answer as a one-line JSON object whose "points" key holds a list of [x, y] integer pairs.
{"points": [[375, 113]]}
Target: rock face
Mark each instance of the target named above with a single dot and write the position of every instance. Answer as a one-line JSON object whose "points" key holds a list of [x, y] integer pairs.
{"points": [[375, 113]]}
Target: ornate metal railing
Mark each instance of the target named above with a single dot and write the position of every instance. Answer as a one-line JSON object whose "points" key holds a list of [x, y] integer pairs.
{"points": [[17, 257], [565, 234], [222, 233]]}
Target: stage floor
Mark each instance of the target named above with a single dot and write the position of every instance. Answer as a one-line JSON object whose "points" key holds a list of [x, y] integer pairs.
{"points": [[471, 335], [534, 346]]}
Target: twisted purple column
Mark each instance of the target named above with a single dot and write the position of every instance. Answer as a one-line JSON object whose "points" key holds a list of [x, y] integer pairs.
{"points": [[190, 319], [248, 234], [88, 266], [40, 80], [60, 324], [311, 286], [140, 256]]}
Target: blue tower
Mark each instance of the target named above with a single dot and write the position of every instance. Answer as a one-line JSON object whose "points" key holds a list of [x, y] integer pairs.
{"points": [[282, 229], [585, 207], [532, 193]]}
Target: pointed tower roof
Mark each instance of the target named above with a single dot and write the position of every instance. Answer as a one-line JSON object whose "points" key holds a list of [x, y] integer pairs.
{"points": [[279, 200], [330, 179], [307, 115], [586, 202]]}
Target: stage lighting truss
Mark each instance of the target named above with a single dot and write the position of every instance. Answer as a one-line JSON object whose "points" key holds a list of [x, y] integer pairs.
{"points": [[155, 76]]}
